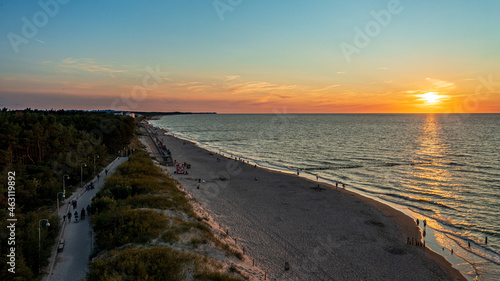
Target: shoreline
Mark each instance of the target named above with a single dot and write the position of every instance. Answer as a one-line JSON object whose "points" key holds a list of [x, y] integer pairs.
{"points": [[405, 225]]}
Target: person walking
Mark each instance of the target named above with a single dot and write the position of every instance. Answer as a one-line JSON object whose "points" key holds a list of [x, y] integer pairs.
{"points": [[69, 216]]}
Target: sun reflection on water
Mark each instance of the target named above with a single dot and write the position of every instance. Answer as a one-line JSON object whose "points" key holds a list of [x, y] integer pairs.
{"points": [[429, 174]]}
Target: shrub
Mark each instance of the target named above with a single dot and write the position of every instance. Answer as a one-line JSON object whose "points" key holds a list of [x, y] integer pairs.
{"points": [[102, 204], [155, 263], [123, 226]]}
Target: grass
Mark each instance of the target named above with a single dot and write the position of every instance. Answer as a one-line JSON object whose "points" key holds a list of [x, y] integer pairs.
{"points": [[155, 263], [128, 211]]}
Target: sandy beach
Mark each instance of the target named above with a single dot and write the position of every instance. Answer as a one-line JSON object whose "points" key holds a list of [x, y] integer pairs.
{"points": [[324, 233]]}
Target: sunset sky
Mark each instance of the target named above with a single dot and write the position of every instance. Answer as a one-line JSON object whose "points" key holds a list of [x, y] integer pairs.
{"points": [[251, 56]]}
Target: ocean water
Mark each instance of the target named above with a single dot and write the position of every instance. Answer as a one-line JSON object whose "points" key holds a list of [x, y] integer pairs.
{"points": [[444, 168]]}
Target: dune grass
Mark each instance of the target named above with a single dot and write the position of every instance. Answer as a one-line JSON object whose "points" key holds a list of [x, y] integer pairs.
{"points": [[128, 215]]}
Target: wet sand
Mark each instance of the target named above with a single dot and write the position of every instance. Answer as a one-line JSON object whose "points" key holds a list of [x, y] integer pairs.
{"points": [[324, 234]]}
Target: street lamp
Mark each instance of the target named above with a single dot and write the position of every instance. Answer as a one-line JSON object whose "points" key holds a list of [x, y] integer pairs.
{"points": [[58, 201], [94, 161], [64, 185], [39, 239], [81, 174]]}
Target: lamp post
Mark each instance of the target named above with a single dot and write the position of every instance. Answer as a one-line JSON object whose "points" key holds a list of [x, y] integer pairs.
{"points": [[81, 173], [58, 201], [64, 184], [40, 238], [94, 161]]}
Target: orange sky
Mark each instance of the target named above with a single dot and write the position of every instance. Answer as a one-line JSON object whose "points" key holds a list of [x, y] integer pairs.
{"points": [[180, 57]]}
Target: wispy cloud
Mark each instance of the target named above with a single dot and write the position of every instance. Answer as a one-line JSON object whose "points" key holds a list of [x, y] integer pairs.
{"points": [[441, 84], [231, 77], [258, 87], [89, 65]]}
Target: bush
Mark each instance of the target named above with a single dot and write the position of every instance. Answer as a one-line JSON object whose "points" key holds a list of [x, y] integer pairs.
{"points": [[102, 204], [123, 226], [155, 263]]}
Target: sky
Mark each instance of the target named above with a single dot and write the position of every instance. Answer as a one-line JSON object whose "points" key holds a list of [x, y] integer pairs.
{"points": [[259, 56]]}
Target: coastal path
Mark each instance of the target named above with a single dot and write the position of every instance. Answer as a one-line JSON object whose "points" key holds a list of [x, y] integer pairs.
{"points": [[72, 262]]}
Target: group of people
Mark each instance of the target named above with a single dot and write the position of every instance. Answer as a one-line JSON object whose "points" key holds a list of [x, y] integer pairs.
{"points": [[83, 213], [89, 186], [74, 203], [422, 244], [415, 241]]}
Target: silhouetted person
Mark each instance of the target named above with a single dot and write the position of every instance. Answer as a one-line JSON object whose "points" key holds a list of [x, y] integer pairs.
{"points": [[486, 240]]}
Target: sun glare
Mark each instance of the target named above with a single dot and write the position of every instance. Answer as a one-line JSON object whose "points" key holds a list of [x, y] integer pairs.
{"points": [[430, 97]]}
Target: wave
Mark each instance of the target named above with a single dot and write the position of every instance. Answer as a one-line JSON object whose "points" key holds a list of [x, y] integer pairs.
{"points": [[423, 200], [485, 252], [331, 168]]}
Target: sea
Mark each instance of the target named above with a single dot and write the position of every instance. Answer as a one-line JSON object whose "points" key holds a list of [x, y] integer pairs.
{"points": [[442, 168]]}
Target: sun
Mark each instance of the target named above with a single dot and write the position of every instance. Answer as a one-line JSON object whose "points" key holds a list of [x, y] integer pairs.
{"points": [[430, 97]]}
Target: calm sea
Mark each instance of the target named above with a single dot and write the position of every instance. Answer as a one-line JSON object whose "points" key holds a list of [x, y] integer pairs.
{"points": [[441, 167]]}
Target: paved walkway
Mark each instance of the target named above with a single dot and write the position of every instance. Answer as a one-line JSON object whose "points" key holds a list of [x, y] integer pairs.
{"points": [[72, 262]]}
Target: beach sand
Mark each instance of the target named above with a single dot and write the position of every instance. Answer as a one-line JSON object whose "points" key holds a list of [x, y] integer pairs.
{"points": [[324, 234]]}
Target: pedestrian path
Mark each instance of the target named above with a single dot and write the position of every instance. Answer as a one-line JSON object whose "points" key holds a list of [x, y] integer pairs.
{"points": [[72, 262]]}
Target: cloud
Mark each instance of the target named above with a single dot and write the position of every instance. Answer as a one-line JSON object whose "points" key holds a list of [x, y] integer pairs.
{"points": [[186, 83], [89, 65], [258, 87], [231, 77], [328, 88], [441, 84]]}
